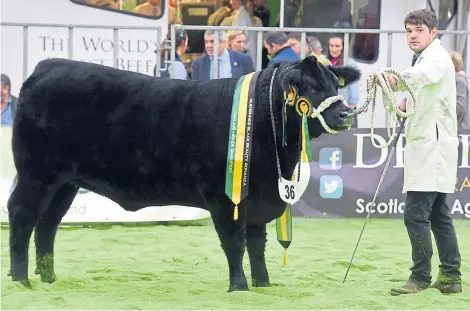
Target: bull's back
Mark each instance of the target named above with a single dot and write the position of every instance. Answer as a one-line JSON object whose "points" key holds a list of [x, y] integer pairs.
{"points": [[101, 125]]}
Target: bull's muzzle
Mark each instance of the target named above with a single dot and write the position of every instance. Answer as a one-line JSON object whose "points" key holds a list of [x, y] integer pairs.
{"points": [[346, 118]]}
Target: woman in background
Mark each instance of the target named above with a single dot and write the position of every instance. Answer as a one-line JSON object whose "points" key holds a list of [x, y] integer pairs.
{"points": [[462, 82], [236, 41], [181, 44], [336, 57]]}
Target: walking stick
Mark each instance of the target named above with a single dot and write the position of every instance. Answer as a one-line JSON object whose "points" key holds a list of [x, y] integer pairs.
{"points": [[394, 144]]}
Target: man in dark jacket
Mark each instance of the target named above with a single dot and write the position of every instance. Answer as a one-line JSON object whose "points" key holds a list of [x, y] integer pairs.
{"points": [[278, 48], [8, 102], [231, 64]]}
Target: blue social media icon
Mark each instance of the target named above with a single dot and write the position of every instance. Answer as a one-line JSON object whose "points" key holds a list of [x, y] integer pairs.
{"points": [[331, 159], [331, 186]]}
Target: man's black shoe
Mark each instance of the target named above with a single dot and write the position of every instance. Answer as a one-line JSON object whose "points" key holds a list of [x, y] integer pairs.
{"points": [[445, 288]]}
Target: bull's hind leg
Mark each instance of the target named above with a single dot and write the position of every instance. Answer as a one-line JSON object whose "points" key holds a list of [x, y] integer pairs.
{"points": [[256, 243], [25, 205], [46, 230], [232, 236]]}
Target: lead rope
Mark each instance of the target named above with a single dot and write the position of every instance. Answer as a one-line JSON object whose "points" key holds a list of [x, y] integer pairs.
{"points": [[389, 101]]}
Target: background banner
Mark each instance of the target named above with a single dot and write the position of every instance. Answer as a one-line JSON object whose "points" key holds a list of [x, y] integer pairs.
{"points": [[344, 175], [346, 170]]}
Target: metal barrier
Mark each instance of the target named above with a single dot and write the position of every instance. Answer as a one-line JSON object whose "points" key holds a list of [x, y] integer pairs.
{"points": [[303, 31], [71, 28]]}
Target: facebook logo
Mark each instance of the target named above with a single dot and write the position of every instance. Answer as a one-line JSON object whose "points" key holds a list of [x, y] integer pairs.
{"points": [[331, 159], [331, 187]]}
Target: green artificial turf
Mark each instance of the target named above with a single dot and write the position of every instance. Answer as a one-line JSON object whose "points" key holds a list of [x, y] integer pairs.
{"points": [[183, 267]]}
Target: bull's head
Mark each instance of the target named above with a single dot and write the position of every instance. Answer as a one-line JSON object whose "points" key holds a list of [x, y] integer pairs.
{"points": [[308, 82]]}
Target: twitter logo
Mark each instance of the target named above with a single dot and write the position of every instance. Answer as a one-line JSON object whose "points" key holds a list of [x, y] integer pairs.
{"points": [[331, 186]]}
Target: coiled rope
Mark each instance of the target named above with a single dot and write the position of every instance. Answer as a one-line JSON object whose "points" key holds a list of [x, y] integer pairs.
{"points": [[378, 78]]}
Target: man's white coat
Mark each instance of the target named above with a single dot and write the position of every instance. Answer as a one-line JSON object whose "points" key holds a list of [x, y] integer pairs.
{"points": [[431, 151]]}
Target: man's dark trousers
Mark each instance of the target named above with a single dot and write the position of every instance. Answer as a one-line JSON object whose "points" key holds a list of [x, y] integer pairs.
{"points": [[426, 211]]}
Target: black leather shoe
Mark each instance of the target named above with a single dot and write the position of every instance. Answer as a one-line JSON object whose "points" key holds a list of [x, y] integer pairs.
{"points": [[445, 288]]}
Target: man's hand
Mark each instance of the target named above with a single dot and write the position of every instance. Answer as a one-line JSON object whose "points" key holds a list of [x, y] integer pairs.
{"points": [[391, 79], [402, 105]]}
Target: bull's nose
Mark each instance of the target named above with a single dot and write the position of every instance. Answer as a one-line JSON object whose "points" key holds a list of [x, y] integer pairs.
{"points": [[346, 114]]}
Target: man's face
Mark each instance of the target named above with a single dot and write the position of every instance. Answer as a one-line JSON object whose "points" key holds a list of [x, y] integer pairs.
{"points": [[272, 49], [209, 44], [295, 45], [419, 36], [236, 4]]}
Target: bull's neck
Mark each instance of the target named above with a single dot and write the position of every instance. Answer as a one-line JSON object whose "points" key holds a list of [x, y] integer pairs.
{"points": [[289, 153]]}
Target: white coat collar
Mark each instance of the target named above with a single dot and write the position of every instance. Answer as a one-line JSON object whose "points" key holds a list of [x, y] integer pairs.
{"points": [[433, 45]]}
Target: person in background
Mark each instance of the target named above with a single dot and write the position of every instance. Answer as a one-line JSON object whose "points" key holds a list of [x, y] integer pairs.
{"points": [[261, 11], [243, 16], [294, 40], [149, 8], [231, 63], [278, 49], [8, 102], [236, 41], [181, 44], [336, 57], [462, 82], [225, 10], [316, 48]]}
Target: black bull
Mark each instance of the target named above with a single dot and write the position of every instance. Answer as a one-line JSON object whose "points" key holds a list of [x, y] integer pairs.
{"points": [[142, 141]]}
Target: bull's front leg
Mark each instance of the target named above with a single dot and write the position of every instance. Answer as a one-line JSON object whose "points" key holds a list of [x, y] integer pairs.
{"points": [[256, 244], [232, 235]]}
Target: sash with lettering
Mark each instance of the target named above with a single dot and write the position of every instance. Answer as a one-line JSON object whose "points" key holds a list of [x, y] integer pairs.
{"points": [[240, 137]]}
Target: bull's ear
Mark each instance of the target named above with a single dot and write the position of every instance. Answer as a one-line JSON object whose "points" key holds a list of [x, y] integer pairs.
{"points": [[289, 76], [345, 74], [292, 74]]}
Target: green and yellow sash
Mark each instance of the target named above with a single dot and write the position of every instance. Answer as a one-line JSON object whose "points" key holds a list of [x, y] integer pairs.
{"points": [[240, 136]]}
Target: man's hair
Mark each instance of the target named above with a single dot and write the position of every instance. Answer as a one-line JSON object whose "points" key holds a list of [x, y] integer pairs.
{"points": [[275, 37], [295, 35], [6, 80], [420, 17], [219, 33], [314, 43]]}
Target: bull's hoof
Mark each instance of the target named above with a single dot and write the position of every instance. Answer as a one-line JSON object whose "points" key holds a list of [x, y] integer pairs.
{"points": [[25, 282], [259, 283], [48, 277], [45, 268], [238, 288]]}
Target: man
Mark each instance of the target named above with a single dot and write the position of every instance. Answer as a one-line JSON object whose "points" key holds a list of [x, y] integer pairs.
{"points": [[8, 102], [278, 48], [431, 156], [231, 63], [294, 40], [316, 47]]}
